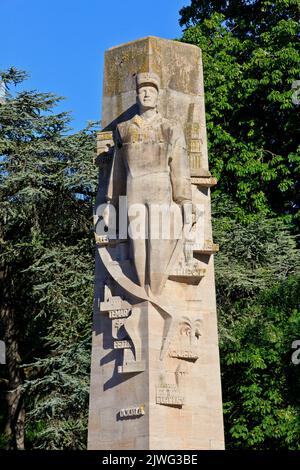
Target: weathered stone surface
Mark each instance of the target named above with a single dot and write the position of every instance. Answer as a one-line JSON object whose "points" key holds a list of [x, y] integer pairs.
{"points": [[155, 375], [179, 67], [2, 352]]}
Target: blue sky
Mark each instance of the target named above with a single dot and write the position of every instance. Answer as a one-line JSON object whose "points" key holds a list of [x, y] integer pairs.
{"points": [[61, 43]]}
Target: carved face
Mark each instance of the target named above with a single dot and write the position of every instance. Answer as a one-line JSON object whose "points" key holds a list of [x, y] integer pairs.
{"points": [[147, 96]]}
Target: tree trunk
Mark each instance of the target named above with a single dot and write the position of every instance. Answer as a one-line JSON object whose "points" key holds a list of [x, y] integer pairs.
{"points": [[14, 429]]}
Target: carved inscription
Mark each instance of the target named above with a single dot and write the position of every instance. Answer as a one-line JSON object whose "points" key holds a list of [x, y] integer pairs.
{"points": [[124, 344], [206, 182], [169, 394], [188, 354], [123, 313], [101, 239], [113, 304], [132, 412], [187, 272]]}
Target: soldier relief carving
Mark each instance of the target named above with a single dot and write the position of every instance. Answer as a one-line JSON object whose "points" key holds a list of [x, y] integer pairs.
{"points": [[149, 191], [150, 168]]}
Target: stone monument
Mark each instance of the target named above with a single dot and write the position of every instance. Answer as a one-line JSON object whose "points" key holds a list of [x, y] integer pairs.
{"points": [[155, 374]]}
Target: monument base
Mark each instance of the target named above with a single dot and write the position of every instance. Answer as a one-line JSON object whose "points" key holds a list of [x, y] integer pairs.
{"points": [[165, 395]]}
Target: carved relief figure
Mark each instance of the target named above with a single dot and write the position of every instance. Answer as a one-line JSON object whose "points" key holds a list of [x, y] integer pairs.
{"points": [[187, 340], [151, 168]]}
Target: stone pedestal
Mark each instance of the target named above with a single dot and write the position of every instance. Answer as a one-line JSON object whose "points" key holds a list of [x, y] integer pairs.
{"points": [[155, 375]]}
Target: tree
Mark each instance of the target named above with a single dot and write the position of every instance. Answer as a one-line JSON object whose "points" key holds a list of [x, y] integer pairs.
{"points": [[262, 410], [251, 60], [47, 183], [258, 282]]}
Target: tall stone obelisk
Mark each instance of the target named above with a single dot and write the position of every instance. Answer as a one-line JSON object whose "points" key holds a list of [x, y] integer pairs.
{"points": [[155, 374]]}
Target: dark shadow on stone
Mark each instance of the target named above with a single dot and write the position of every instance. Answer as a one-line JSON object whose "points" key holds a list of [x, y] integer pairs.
{"points": [[117, 378], [125, 418], [128, 114], [111, 356], [204, 191], [202, 257]]}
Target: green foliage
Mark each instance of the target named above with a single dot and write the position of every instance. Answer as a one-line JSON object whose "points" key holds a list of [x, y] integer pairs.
{"points": [[59, 386], [47, 185], [261, 385], [246, 17], [258, 287], [253, 255], [251, 59]]}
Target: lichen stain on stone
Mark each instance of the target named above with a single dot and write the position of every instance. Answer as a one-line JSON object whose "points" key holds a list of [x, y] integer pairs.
{"points": [[175, 63], [120, 64]]}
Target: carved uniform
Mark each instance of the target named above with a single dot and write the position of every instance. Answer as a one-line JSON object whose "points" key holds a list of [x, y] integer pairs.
{"points": [[151, 167]]}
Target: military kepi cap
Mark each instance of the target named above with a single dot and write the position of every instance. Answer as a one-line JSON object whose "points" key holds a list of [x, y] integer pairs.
{"points": [[147, 78]]}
